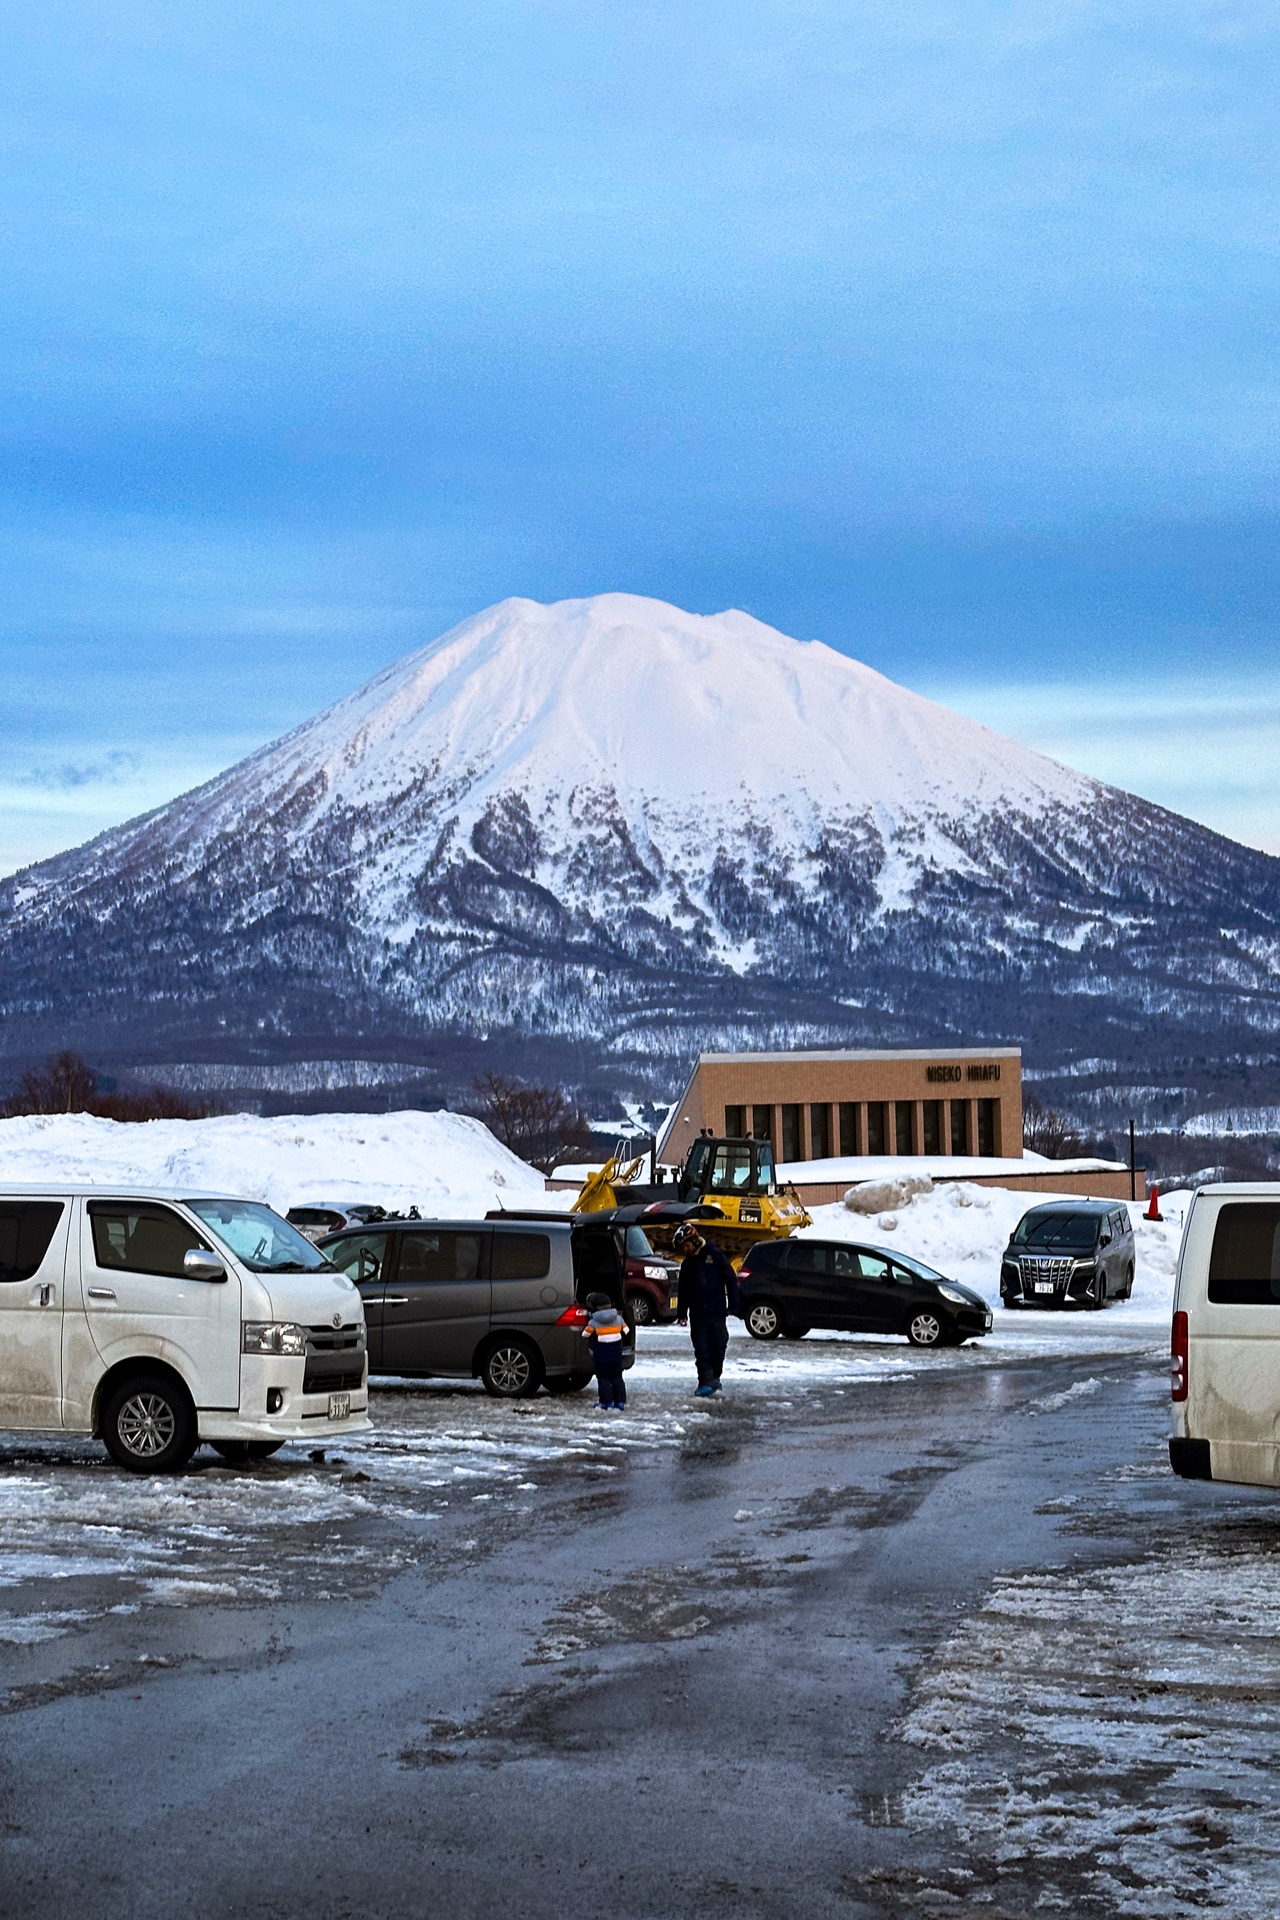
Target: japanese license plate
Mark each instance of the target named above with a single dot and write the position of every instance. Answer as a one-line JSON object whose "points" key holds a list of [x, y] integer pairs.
{"points": [[339, 1405], [1044, 1286], [675, 1302]]}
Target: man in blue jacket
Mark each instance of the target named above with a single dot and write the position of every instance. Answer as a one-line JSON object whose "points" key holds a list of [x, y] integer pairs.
{"points": [[708, 1295]]}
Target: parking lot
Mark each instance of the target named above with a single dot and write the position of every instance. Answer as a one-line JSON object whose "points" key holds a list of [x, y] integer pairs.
{"points": [[881, 1633]]}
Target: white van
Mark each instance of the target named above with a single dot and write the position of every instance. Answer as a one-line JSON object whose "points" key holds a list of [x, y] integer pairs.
{"points": [[156, 1322], [1226, 1338]]}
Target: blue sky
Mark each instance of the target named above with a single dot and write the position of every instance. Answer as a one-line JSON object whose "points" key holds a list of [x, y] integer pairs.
{"points": [[945, 334]]}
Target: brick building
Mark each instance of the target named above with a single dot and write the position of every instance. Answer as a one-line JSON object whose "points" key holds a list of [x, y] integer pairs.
{"points": [[949, 1101]]}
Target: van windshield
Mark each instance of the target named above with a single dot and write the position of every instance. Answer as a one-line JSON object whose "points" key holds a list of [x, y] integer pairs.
{"points": [[259, 1238], [1057, 1230], [638, 1244]]}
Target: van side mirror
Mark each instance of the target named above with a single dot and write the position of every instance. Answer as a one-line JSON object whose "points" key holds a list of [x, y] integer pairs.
{"points": [[1104, 1238], [199, 1264]]}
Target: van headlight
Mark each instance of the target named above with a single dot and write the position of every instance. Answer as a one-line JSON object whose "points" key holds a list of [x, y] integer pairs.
{"points": [[273, 1336]]}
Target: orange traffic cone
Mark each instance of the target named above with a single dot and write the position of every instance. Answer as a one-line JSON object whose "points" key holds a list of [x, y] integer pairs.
{"points": [[1153, 1206]]}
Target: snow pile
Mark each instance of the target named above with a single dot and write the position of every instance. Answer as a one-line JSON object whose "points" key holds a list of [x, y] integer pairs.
{"points": [[445, 1164], [871, 1196], [962, 1230]]}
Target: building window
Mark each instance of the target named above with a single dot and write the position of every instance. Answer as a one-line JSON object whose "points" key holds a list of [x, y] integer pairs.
{"points": [[904, 1124], [819, 1133], [987, 1128], [735, 1123], [762, 1123], [876, 1141], [848, 1128], [933, 1126], [792, 1145], [960, 1126]]}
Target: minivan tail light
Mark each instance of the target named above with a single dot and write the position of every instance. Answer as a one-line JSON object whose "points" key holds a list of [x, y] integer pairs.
{"points": [[573, 1317], [1178, 1352]]}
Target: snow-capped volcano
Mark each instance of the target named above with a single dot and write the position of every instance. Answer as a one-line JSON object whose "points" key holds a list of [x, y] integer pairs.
{"points": [[614, 826]]}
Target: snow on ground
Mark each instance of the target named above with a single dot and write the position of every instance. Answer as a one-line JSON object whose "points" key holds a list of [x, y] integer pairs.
{"points": [[1109, 1732], [116, 1543], [446, 1164]]}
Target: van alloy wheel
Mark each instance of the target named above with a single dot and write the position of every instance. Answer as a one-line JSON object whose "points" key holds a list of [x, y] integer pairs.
{"points": [[512, 1371], [640, 1309], [925, 1329], [148, 1425]]}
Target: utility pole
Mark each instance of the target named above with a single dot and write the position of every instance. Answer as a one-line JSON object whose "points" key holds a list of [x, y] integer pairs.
{"points": [[1133, 1174]]}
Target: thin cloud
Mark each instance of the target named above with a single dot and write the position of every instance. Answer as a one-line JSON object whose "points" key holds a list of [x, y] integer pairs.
{"points": [[117, 768]]}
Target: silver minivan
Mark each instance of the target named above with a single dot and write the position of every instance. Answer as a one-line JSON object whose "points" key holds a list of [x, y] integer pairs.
{"points": [[502, 1300], [1226, 1338]]}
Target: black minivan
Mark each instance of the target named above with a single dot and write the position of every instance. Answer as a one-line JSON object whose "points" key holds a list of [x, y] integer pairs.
{"points": [[788, 1286], [503, 1299], [1069, 1253]]}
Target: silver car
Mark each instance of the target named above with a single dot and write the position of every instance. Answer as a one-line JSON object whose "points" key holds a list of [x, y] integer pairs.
{"points": [[501, 1301]]}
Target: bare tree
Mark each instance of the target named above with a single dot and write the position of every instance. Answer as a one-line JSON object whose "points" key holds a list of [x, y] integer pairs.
{"points": [[68, 1084], [65, 1084], [540, 1125], [1048, 1132]]}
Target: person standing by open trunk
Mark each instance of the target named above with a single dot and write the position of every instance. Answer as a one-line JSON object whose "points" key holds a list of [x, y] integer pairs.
{"points": [[708, 1295]]}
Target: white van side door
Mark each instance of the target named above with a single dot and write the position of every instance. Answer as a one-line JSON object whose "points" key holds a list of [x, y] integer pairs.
{"points": [[140, 1302], [33, 1252]]}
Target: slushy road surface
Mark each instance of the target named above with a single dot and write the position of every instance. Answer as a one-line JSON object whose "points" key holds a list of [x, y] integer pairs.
{"points": [[880, 1633]]}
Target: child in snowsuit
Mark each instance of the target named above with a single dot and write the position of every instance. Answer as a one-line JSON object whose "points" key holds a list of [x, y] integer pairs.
{"points": [[605, 1330]]}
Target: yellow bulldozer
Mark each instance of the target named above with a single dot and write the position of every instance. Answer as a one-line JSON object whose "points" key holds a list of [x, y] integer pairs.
{"points": [[730, 1187]]}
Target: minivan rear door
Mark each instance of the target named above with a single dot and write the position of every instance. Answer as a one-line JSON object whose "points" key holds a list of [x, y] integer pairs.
{"points": [[33, 1251], [435, 1301]]}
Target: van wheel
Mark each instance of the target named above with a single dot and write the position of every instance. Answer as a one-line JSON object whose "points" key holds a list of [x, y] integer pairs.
{"points": [[149, 1424], [640, 1309], [1098, 1296], [512, 1369], [237, 1452], [926, 1329], [764, 1322], [1128, 1284], [568, 1383]]}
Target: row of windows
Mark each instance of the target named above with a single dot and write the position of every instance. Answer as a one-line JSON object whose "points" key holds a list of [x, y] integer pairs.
{"points": [[833, 1129]]}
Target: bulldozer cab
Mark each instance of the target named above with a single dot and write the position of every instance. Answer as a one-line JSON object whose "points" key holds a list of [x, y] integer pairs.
{"points": [[727, 1167]]}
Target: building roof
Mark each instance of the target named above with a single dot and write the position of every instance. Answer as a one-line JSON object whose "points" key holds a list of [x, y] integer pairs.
{"points": [[863, 1053]]}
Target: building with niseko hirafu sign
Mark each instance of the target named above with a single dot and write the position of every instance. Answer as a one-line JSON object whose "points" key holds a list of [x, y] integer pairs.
{"points": [[947, 1101]]}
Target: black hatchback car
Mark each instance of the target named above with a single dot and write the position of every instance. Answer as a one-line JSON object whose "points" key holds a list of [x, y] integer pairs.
{"points": [[788, 1286]]}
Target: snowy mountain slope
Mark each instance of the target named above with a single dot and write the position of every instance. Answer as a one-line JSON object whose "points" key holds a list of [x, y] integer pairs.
{"points": [[607, 828]]}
